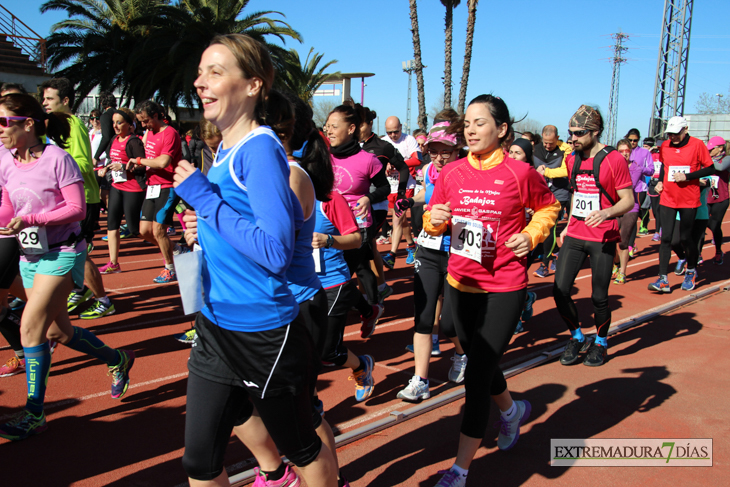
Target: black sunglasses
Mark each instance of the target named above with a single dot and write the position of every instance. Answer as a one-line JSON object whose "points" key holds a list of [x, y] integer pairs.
{"points": [[93, 118], [634, 140], [578, 133]]}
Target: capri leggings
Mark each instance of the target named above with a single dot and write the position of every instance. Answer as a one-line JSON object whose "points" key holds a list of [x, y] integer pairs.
{"points": [[127, 203], [358, 261], [627, 228], [698, 232], [428, 284], [9, 269], [340, 299], [484, 323], [717, 213], [686, 225], [571, 260], [655, 210]]}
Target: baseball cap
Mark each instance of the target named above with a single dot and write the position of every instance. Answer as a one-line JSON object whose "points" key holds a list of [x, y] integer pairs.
{"points": [[714, 142], [675, 125], [438, 134]]}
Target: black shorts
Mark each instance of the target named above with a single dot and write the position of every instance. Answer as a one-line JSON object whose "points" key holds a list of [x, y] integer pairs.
{"points": [[266, 363], [9, 261], [90, 223], [342, 298], [160, 209], [102, 181], [379, 217], [313, 315]]}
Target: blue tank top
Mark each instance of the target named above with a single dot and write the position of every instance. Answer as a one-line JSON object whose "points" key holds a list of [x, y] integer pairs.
{"points": [[333, 268], [446, 241], [301, 277], [240, 294]]}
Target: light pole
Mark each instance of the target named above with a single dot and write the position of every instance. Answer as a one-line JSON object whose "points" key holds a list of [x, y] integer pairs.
{"points": [[409, 67], [719, 102]]}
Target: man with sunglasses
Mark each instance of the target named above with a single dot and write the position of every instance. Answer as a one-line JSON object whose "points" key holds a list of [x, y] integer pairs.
{"points": [[642, 158], [592, 231], [58, 96], [411, 152], [685, 160]]}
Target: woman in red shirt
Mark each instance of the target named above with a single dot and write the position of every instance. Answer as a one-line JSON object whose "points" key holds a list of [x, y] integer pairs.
{"points": [[482, 200]]}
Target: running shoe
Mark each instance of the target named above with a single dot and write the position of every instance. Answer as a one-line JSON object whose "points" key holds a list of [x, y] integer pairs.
{"points": [[690, 280], [596, 355], [382, 240], [181, 249], [52, 346], [77, 299], [632, 252], [110, 268], [542, 271], [509, 431], [166, 276], [416, 390], [188, 337], [554, 262], [120, 374], [289, 479], [16, 304], [368, 324], [700, 260], [389, 260], [519, 329], [718, 259], [620, 278], [13, 366], [643, 232], [657, 237], [22, 425], [614, 271], [123, 233], [99, 310], [661, 285], [171, 231], [529, 301], [364, 381], [319, 406], [411, 249], [435, 349], [451, 478], [681, 267], [342, 482], [458, 368], [384, 294], [572, 351]]}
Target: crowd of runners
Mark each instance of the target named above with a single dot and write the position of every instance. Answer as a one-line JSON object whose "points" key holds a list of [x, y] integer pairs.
{"points": [[282, 214]]}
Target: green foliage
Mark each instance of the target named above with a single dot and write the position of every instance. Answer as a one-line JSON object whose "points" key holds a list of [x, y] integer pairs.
{"points": [[303, 80]]}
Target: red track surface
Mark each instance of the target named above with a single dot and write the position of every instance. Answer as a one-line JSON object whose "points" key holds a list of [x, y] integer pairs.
{"points": [[138, 441]]}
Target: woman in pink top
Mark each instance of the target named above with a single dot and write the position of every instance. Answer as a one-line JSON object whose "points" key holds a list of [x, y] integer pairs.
{"points": [[42, 204]]}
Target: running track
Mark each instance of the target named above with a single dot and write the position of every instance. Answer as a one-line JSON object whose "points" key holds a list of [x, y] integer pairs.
{"points": [[138, 441]]}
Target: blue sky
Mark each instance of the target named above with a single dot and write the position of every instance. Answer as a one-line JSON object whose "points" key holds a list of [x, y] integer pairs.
{"points": [[543, 58]]}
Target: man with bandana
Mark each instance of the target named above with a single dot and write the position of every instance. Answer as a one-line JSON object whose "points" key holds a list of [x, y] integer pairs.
{"points": [[592, 231]]}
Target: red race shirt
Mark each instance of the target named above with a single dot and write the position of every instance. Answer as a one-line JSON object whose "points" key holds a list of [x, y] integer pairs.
{"points": [[497, 197], [165, 141], [118, 153], [690, 157], [614, 175]]}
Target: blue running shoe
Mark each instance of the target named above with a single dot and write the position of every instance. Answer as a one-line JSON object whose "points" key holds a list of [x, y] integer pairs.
{"points": [[120, 374], [541, 271], [690, 281], [529, 301], [389, 260], [364, 381], [661, 285], [411, 254], [435, 349], [22, 425], [519, 328], [16, 304], [681, 267], [166, 276]]}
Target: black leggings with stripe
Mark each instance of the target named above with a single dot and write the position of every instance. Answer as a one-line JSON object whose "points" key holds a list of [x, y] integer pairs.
{"points": [[572, 256]]}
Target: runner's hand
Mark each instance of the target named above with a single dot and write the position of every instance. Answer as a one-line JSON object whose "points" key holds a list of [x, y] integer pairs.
{"points": [[402, 205], [519, 243], [102, 171], [541, 169], [190, 218], [562, 235], [362, 206], [319, 240], [183, 170], [595, 218], [14, 226], [659, 187], [440, 214], [680, 177]]}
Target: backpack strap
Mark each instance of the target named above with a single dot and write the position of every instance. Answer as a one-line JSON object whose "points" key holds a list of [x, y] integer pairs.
{"points": [[597, 170]]}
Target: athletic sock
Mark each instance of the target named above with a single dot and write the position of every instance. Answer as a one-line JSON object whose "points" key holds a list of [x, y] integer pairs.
{"points": [[509, 414], [603, 341], [578, 335], [690, 270], [105, 301], [435, 339], [37, 367], [382, 286], [423, 379], [459, 470], [361, 366], [86, 342], [276, 474], [170, 267], [663, 277]]}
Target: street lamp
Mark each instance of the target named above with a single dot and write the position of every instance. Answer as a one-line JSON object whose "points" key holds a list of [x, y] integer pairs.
{"points": [[409, 67]]}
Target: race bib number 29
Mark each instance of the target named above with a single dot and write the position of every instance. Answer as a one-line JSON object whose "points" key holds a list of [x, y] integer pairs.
{"points": [[33, 240]]}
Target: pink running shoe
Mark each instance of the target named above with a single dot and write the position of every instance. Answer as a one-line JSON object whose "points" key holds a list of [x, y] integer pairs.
{"points": [[13, 366], [110, 268], [290, 479]]}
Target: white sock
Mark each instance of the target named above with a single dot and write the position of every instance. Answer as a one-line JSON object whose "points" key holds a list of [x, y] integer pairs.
{"points": [[509, 414], [459, 470], [105, 300], [170, 267]]}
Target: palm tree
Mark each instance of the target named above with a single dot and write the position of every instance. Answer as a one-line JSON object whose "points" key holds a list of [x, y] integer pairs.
{"points": [[96, 40], [471, 20], [448, 30], [303, 80], [168, 64], [422, 115]]}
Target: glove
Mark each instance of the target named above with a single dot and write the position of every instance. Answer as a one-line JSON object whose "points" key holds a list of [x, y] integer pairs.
{"points": [[402, 205]]}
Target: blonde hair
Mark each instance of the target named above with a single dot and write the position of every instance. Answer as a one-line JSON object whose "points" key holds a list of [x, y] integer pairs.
{"points": [[208, 130], [255, 62]]}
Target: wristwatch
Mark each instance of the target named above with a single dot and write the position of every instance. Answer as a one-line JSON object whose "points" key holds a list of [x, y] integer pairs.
{"points": [[330, 241]]}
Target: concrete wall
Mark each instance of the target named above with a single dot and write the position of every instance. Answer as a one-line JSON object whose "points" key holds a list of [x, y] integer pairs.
{"points": [[705, 126], [30, 82]]}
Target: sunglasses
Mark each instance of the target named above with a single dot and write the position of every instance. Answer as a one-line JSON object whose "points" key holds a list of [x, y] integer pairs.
{"points": [[4, 121], [578, 133], [93, 118], [634, 140], [392, 132], [625, 151]]}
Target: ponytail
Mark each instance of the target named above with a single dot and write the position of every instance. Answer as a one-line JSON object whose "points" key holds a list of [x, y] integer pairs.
{"points": [[59, 128], [316, 161]]}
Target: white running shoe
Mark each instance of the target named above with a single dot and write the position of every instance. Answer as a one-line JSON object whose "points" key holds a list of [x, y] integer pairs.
{"points": [[458, 368], [451, 479], [509, 431], [416, 390]]}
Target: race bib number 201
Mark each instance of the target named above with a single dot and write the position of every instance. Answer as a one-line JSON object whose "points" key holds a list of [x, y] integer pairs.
{"points": [[585, 203], [33, 240]]}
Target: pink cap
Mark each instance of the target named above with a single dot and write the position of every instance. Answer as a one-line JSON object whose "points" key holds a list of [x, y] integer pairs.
{"points": [[714, 142]]}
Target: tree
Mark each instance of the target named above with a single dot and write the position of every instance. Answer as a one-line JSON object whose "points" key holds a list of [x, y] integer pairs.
{"points": [[708, 104], [470, 23], [528, 125], [436, 108], [322, 109], [448, 34], [303, 81], [422, 115]]}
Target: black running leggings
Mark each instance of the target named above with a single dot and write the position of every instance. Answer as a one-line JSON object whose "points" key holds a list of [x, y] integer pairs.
{"points": [[428, 284], [550, 245], [127, 204], [358, 261], [485, 323], [655, 210], [698, 232], [572, 256], [686, 224], [717, 213]]}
